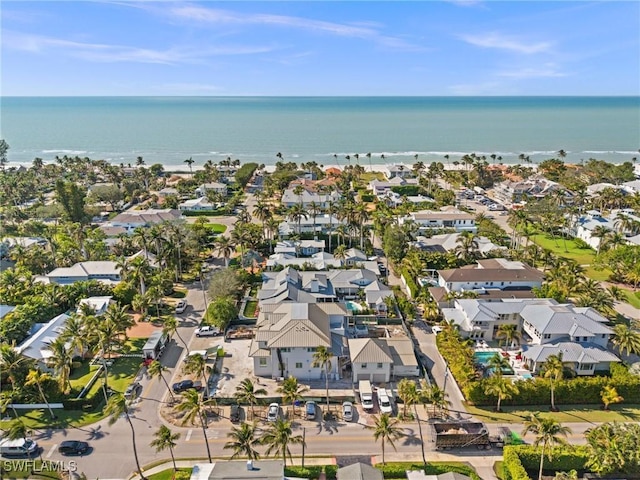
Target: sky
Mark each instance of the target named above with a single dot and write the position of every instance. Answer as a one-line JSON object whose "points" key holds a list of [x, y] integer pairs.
{"points": [[316, 48]]}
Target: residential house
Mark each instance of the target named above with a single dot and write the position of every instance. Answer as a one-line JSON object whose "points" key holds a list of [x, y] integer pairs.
{"points": [[448, 242], [36, 346], [8, 243], [631, 187], [491, 274], [287, 337], [585, 225], [168, 191], [535, 187], [321, 223], [241, 470], [381, 188], [317, 261], [300, 247], [354, 256], [398, 170], [359, 471], [381, 359], [219, 188], [98, 304], [446, 217], [5, 310], [102, 271], [420, 475], [393, 199], [309, 196], [132, 219], [547, 327], [375, 295], [197, 204]]}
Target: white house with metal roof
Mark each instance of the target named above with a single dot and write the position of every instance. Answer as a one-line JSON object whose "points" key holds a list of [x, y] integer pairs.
{"points": [[98, 304], [308, 196], [103, 271], [583, 358], [381, 359], [287, 337], [446, 217], [36, 346]]}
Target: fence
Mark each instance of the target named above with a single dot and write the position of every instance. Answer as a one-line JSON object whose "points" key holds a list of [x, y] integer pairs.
{"points": [[34, 406]]}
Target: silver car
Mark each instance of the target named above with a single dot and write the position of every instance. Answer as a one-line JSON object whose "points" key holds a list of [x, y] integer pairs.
{"points": [[273, 412], [347, 411]]}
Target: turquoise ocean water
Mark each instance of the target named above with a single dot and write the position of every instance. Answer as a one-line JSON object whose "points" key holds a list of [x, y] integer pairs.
{"points": [[170, 129]]}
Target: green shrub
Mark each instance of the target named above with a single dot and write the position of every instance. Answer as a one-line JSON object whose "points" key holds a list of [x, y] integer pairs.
{"points": [[87, 404], [562, 459], [408, 190], [399, 469], [512, 468], [367, 197], [312, 471]]}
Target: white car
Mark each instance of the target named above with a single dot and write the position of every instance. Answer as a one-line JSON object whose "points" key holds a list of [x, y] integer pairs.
{"points": [[181, 306], [384, 401], [436, 329], [273, 412], [347, 411]]}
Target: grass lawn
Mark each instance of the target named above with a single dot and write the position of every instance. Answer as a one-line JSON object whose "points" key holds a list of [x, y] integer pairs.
{"points": [[632, 299], [183, 473], [216, 227], [250, 309], [569, 413]]}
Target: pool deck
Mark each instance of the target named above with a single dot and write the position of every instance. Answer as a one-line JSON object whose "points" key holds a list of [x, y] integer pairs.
{"points": [[520, 372]]}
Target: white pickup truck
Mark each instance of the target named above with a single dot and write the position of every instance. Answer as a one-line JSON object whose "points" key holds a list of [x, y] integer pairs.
{"points": [[207, 331]]}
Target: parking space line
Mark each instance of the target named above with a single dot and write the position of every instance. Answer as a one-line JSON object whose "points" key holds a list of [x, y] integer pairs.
{"points": [[188, 437], [51, 450]]}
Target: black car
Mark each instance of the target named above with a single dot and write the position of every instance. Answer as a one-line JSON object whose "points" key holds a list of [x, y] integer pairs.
{"points": [[235, 414], [73, 447], [186, 385]]}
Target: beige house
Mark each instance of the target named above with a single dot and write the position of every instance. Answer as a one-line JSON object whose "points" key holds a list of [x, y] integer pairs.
{"points": [[381, 359]]}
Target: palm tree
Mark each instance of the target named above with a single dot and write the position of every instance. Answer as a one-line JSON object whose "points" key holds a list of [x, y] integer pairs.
{"points": [[224, 247], [156, 369], [291, 390], [165, 438], [117, 407], [190, 161], [609, 395], [17, 429], [193, 410], [322, 357], [246, 393], [170, 327], [196, 365], [244, 441], [60, 362], [548, 433], [296, 213], [386, 430], [625, 338], [36, 377], [278, 437], [13, 364], [500, 387], [498, 364], [408, 393], [553, 369], [510, 333], [467, 246]]}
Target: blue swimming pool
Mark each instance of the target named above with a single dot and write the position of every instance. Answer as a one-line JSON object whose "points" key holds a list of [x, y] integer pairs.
{"points": [[353, 306], [483, 358]]}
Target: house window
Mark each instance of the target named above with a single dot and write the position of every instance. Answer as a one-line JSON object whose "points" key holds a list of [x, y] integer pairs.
{"points": [[285, 350], [547, 335], [379, 365], [311, 349], [586, 366], [298, 364], [364, 365], [263, 362], [315, 365]]}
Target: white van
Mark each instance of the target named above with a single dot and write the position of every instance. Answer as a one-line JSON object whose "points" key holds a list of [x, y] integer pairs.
{"points": [[384, 401], [20, 447]]}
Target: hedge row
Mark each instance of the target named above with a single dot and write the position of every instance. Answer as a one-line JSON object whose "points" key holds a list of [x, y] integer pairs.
{"points": [[312, 471], [206, 213], [580, 390], [399, 469], [518, 459], [87, 404], [411, 284]]}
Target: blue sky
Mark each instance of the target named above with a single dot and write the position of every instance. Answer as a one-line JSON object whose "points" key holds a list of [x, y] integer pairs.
{"points": [[462, 47]]}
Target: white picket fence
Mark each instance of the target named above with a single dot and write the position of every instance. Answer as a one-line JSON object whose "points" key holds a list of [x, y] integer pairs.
{"points": [[32, 406]]}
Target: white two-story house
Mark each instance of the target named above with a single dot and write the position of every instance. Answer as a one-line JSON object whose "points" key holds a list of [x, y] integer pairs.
{"points": [[447, 217]]}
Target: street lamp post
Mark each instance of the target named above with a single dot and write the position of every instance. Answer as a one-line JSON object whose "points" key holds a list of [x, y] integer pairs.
{"points": [[304, 432]]}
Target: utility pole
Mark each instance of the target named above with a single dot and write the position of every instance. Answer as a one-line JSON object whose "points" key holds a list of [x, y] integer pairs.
{"points": [[304, 432]]}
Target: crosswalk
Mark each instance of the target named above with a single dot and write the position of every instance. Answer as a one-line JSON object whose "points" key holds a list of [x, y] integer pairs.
{"points": [[51, 450]]}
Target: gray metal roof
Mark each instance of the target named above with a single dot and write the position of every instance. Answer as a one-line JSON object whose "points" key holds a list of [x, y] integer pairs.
{"points": [[369, 350], [359, 471], [571, 352]]}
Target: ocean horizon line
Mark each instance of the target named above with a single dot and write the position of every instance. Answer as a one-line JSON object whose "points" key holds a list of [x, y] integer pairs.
{"points": [[322, 96]]}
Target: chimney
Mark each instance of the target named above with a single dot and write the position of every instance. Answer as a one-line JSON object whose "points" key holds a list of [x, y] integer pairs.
{"points": [[249, 465]]}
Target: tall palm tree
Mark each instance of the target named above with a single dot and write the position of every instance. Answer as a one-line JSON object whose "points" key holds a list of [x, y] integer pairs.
{"points": [[190, 161], [170, 328], [166, 439], [192, 407], [408, 393], [278, 437], [60, 362], [502, 388], [17, 429], [291, 390], [117, 407], [36, 377], [13, 364], [553, 369], [246, 392], [510, 333], [296, 213], [196, 365], [498, 364], [75, 333], [467, 246], [243, 441], [322, 357], [156, 369], [224, 247], [386, 430], [548, 433], [626, 338]]}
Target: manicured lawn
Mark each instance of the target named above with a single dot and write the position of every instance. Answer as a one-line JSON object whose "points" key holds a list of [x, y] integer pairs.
{"points": [[570, 413], [250, 309], [183, 473], [632, 299], [216, 227]]}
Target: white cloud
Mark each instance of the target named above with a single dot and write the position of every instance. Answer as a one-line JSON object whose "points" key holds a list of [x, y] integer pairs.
{"points": [[497, 40], [360, 29], [98, 52], [531, 72]]}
